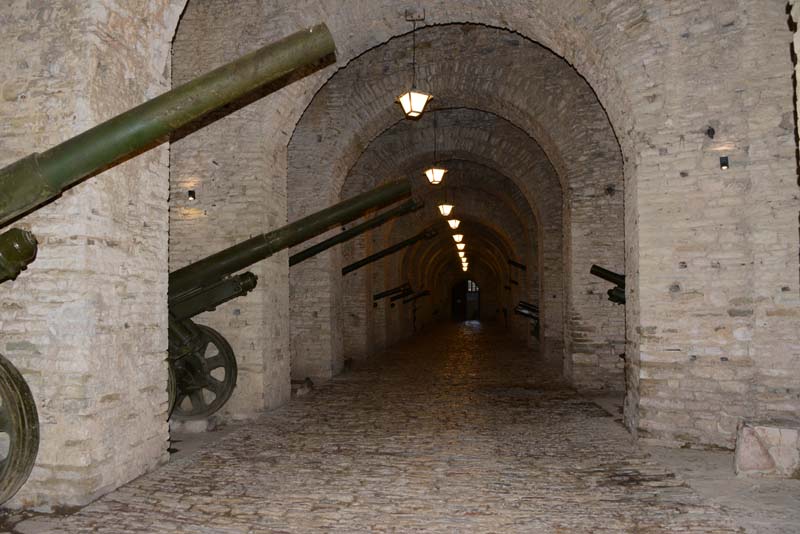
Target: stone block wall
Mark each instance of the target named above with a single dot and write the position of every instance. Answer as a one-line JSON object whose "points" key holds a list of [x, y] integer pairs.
{"points": [[86, 323], [237, 166]]}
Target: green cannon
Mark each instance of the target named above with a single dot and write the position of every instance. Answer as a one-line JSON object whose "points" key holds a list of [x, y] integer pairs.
{"points": [[615, 294], [425, 234], [403, 209], [416, 296], [531, 311], [41, 177], [202, 363], [390, 292]]}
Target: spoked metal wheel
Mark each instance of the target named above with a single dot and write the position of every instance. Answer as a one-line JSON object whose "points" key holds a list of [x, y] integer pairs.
{"points": [[19, 430], [205, 378]]}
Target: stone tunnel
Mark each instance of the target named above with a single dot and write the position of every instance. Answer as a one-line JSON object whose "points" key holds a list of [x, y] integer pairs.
{"points": [[654, 139]]}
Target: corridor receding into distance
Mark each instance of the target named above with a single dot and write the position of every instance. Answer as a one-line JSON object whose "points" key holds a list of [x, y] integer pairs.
{"points": [[383, 266], [456, 430]]}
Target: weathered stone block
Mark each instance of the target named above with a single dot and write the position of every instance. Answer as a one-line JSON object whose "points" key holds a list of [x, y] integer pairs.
{"points": [[768, 448]]}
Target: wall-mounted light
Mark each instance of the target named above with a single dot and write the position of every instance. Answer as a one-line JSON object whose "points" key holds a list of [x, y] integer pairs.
{"points": [[445, 209], [453, 223], [723, 163], [192, 195], [458, 237]]}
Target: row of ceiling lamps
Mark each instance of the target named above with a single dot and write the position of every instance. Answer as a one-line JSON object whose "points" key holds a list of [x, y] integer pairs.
{"points": [[413, 103]]}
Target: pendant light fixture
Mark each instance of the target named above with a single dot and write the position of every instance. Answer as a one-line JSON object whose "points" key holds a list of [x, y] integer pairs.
{"points": [[413, 101], [458, 237], [445, 209], [453, 223], [435, 173], [461, 246], [461, 254]]}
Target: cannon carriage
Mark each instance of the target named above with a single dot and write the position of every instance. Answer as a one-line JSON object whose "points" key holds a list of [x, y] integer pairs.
{"points": [[38, 178]]}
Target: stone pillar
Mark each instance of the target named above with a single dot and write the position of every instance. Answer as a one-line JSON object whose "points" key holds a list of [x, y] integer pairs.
{"points": [[717, 261], [87, 323]]}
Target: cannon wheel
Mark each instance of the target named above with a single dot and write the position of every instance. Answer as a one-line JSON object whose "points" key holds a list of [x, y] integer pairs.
{"points": [[19, 430], [172, 389], [205, 378]]}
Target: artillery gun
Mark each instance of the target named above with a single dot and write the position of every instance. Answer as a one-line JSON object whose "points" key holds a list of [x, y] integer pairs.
{"points": [[531, 311], [201, 360], [41, 177], [615, 294]]}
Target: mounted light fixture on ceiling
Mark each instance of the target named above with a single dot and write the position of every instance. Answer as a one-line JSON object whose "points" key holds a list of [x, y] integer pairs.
{"points": [[435, 173], [458, 237], [413, 101], [453, 223], [445, 209], [461, 254], [461, 246]]}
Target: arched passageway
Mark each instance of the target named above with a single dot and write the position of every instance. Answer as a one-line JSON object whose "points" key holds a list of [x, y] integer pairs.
{"points": [[575, 133], [456, 429]]}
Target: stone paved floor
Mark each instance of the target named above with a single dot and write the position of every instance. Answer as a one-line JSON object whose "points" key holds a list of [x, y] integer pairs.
{"points": [[459, 431]]}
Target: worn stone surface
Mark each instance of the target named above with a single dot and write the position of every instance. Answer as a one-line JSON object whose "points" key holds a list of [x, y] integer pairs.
{"points": [[711, 257], [86, 323], [457, 431], [768, 448]]}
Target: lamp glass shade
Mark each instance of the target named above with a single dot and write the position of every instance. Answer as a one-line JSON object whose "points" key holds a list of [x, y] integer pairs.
{"points": [[435, 174], [453, 223], [413, 102], [461, 254], [457, 238], [461, 246], [445, 209], [464, 267]]}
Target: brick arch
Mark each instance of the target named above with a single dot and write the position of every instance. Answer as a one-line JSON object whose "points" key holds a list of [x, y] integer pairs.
{"points": [[471, 140]]}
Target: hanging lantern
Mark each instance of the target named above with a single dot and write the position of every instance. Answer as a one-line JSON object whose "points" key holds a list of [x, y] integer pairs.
{"points": [[461, 254], [458, 237], [435, 174], [445, 209], [453, 223], [413, 102], [461, 246], [464, 267]]}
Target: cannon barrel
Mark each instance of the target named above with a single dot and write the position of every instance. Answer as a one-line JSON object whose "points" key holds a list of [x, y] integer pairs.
{"points": [[40, 177], [403, 294], [17, 250], [425, 234], [346, 235], [390, 292], [527, 313], [517, 264], [246, 253], [416, 296], [610, 276]]}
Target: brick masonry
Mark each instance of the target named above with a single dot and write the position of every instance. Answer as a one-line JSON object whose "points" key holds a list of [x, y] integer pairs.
{"points": [[711, 256], [86, 323]]}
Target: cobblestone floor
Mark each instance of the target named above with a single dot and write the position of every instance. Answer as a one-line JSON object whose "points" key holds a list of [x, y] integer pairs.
{"points": [[457, 431]]}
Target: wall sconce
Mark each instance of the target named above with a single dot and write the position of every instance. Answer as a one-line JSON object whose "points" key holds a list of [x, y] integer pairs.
{"points": [[192, 195], [723, 163]]}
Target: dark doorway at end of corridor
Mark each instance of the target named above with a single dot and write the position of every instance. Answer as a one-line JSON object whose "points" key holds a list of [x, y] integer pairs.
{"points": [[466, 301]]}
